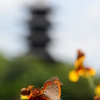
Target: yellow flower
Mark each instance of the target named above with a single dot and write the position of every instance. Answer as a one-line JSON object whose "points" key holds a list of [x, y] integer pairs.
{"points": [[97, 90], [73, 76], [24, 97], [81, 71]]}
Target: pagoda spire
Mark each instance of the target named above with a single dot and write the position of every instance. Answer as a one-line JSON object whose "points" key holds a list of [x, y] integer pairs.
{"points": [[39, 26]]}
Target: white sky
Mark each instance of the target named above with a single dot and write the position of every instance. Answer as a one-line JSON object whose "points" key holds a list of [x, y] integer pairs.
{"points": [[76, 23]]}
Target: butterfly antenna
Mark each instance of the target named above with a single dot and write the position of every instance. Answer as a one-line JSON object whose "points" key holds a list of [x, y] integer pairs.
{"points": [[64, 96]]}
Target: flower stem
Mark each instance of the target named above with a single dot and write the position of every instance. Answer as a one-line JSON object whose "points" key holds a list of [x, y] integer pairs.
{"points": [[91, 84]]}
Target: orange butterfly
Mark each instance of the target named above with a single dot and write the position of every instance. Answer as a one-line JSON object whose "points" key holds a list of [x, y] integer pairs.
{"points": [[51, 90]]}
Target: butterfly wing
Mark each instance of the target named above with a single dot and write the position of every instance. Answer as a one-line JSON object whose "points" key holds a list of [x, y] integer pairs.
{"points": [[52, 89]]}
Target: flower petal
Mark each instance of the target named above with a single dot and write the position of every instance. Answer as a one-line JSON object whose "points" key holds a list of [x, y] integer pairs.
{"points": [[92, 72], [24, 97], [73, 76], [97, 90], [79, 62], [80, 72]]}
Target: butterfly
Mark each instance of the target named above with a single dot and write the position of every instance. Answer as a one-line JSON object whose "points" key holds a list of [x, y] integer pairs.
{"points": [[52, 88]]}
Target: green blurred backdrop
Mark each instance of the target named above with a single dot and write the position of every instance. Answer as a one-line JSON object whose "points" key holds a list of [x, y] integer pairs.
{"points": [[26, 71]]}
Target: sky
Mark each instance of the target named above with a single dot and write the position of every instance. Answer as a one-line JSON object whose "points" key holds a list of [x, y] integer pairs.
{"points": [[76, 26]]}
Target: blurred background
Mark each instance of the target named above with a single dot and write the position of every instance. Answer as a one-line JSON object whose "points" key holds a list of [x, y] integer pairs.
{"points": [[41, 37]]}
